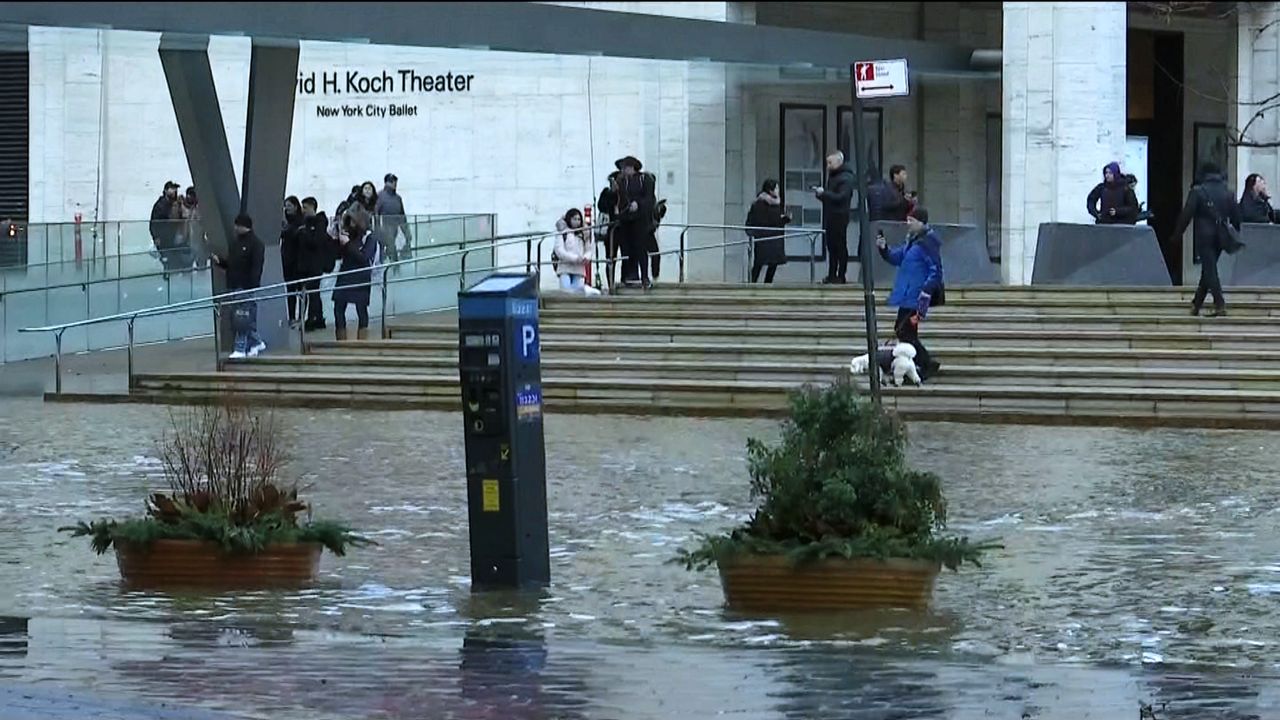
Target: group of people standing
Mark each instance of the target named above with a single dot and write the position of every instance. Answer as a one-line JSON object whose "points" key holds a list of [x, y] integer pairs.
{"points": [[364, 232], [918, 283], [630, 214], [176, 231]]}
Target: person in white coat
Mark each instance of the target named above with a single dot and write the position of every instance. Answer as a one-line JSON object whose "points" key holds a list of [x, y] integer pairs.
{"points": [[572, 254]]}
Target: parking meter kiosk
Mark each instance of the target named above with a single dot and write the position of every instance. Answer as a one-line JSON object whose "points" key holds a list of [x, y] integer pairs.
{"points": [[498, 365]]}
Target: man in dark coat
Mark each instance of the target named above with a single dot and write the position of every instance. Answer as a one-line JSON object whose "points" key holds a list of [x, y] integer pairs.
{"points": [[1212, 206], [1112, 201], [243, 266], [889, 199], [607, 209], [391, 218], [835, 216], [637, 197], [164, 227], [316, 256]]}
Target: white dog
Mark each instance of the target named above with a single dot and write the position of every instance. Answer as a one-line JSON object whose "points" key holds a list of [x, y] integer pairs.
{"points": [[903, 365]]}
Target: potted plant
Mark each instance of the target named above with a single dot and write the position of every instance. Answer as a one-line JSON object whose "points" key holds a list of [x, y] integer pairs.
{"points": [[842, 521], [229, 519]]}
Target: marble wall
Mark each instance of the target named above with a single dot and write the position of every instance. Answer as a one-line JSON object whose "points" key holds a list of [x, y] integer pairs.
{"points": [[533, 135]]}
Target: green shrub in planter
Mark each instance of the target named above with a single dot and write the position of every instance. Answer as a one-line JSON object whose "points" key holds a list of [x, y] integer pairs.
{"points": [[837, 484]]}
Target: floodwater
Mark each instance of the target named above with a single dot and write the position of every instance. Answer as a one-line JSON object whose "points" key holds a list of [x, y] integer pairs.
{"points": [[1141, 567]]}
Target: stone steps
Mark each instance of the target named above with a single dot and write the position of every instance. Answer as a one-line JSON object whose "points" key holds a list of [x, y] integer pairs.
{"points": [[849, 336], [795, 373], [446, 350], [855, 319], [1156, 406], [1055, 355]]}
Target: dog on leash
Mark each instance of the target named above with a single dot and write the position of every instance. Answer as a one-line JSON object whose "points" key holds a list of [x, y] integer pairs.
{"points": [[897, 362]]}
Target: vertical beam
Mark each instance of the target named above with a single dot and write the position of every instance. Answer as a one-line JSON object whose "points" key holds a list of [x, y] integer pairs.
{"points": [[185, 59], [273, 73], [195, 103]]}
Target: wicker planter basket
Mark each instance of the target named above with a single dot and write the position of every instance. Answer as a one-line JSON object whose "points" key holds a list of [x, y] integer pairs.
{"points": [[196, 563], [770, 583]]}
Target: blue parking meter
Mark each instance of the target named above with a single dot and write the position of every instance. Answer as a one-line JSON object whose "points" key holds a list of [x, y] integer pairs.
{"points": [[501, 377]]}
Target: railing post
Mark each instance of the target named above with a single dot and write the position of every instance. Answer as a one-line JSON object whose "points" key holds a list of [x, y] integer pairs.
{"points": [[302, 322], [383, 330], [539, 265], [462, 271], [57, 363], [217, 337], [683, 274], [813, 250], [130, 352]]}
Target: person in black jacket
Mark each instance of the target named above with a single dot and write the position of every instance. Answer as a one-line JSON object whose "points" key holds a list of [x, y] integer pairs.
{"points": [[316, 256], [164, 228], [358, 248], [637, 198], [1211, 205], [835, 216], [889, 199], [769, 247], [605, 226], [1112, 201], [1255, 203], [290, 239], [243, 266]]}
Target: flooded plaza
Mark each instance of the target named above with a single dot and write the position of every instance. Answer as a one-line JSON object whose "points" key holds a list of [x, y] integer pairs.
{"points": [[1139, 567]]}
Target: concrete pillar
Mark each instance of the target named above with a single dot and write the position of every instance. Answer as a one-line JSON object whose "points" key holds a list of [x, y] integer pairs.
{"points": [[1258, 48], [1064, 111]]}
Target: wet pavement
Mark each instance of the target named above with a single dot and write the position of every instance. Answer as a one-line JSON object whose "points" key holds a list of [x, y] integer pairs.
{"points": [[1140, 567]]}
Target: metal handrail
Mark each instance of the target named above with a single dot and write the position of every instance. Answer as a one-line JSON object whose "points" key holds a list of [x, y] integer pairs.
{"points": [[216, 303], [813, 234], [232, 296]]}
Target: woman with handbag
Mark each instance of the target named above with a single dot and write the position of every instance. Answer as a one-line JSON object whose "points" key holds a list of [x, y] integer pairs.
{"points": [[1213, 207], [358, 249]]}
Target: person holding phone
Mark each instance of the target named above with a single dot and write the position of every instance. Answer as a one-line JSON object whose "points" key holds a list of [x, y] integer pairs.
{"points": [[357, 247], [919, 280], [836, 208]]}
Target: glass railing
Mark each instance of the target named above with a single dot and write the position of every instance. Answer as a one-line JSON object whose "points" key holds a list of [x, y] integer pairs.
{"points": [[63, 291]]}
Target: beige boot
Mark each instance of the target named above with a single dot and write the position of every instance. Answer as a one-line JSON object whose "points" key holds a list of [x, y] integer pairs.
{"points": [[340, 334], [362, 333]]}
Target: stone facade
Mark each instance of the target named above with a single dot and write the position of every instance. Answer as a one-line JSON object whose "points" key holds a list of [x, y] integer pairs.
{"points": [[535, 135], [1064, 116]]}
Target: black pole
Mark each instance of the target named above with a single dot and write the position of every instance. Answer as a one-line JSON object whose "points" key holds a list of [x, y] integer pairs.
{"points": [[866, 246]]}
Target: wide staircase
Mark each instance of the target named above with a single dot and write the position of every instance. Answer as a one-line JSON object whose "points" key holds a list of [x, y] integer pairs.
{"points": [[1047, 355]]}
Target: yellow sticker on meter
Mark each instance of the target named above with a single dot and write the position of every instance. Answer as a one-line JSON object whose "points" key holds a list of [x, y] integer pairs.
{"points": [[489, 489]]}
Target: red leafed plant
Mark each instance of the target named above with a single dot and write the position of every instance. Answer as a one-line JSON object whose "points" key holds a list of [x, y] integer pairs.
{"points": [[223, 464]]}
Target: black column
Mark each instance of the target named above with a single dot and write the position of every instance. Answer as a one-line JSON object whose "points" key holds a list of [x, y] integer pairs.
{"points": [[273, 74], [185, 60]]}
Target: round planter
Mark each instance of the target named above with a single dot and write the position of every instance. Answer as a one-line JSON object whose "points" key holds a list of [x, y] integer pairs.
{"points": [[197, 563], [770, 583]]}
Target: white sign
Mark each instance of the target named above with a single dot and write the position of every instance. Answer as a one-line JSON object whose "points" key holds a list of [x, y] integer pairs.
{"points": [[881, 78]]}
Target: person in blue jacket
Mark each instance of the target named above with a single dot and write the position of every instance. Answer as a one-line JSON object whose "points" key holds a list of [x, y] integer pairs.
{"points": [[919, 279]]}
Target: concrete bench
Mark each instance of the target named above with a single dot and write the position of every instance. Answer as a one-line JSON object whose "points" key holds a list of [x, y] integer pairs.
{"points": [[1098, 255], [965, 260], [1258, 264]]}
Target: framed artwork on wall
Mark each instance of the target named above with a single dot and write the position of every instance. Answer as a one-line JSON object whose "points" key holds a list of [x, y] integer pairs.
{"points": [[1210, 144], [804, 149], [873, 124]]}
